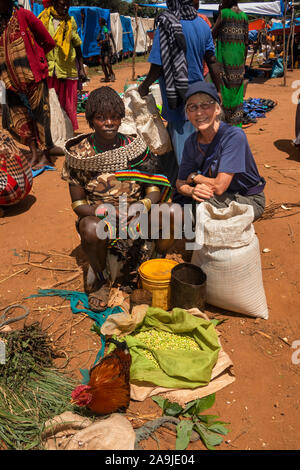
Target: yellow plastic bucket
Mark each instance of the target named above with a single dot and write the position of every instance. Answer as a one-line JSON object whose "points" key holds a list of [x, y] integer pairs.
{"points": [[155, 276]]}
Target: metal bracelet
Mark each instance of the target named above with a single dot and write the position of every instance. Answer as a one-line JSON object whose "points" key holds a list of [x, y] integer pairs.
{"points": [[147, 203], [80, 202], [152, 189]]}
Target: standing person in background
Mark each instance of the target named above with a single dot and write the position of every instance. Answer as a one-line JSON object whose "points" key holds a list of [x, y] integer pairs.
{"points": [[231, 34], [82, 23], [63, 74], [181, 42], [204, 17], [106, 43], [296, 142], [24, 43]]}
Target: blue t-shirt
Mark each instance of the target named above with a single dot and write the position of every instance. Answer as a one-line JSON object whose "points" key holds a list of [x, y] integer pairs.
{"points": [[198, 41], [229, 154]]}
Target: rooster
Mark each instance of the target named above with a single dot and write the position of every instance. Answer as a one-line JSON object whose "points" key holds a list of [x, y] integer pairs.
{"points": [[108, 389]]}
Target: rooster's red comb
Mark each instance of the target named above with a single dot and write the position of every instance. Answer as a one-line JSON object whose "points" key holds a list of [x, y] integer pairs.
{"points": [[78, 390]]}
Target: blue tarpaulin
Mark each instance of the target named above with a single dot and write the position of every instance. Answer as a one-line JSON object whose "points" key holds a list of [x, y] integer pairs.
{"points": [[128, 38], [91, 26], [279, 25], [37, 9], [252, 35]]}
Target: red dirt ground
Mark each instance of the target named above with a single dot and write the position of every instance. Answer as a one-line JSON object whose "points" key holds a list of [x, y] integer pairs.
{"points": [[262, 405]]}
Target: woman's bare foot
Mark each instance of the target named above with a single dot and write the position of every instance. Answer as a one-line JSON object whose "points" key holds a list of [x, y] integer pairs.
{"points": [[98, 300], [56, 151], [42, 159]]}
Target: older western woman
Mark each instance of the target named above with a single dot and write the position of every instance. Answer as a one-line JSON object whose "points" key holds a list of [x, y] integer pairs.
{"points": [[217, 164]]}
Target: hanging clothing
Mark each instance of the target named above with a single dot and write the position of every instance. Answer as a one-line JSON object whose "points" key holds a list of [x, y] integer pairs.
{"points": [[230, 52], [15, 173]]}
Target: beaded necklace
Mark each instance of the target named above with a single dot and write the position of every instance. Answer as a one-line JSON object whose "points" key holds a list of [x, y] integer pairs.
{"points": [[140, 161], [94, 145]]}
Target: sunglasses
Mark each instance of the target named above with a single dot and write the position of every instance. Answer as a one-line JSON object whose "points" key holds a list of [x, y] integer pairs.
{"points": [[192, 108]]}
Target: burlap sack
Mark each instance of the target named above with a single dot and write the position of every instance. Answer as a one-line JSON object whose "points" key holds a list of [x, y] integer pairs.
{"points": [[69, 431], [143, 116], [230, 257], [60, 124]]}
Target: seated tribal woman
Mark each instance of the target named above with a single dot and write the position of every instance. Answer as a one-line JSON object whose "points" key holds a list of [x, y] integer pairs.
{"points": [[217, 164], [101, 167]]}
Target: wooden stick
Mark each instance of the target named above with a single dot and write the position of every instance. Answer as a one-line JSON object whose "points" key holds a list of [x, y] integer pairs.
{"points": [[290, 35], [285, 341], [53, 269], [70, 327], [253, 54], [37, 253], [135, 42], [284, 48], [69, 279], [57, 253], [14, 274], [263, 334], [293, 35], [41, 309]]}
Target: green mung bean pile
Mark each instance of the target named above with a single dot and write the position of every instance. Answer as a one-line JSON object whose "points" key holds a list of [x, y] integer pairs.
{"points": [[165, 341]]}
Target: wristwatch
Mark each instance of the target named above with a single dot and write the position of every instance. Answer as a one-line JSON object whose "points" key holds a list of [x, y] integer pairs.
{"points": [[192, 176]]}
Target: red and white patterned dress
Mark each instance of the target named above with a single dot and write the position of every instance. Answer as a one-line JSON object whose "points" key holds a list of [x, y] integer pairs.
{"points": [[15, 173]]}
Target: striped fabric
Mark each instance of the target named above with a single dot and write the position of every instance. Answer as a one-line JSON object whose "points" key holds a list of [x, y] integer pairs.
{"points": [[155, 179], [15, 173]]}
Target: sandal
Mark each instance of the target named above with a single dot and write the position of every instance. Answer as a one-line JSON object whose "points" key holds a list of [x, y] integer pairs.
{"points": [[98, 300]]}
